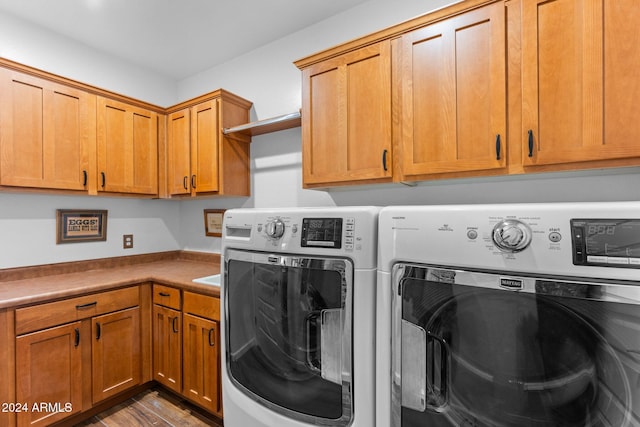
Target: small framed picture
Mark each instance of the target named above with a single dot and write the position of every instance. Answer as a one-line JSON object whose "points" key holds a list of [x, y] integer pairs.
{"points": [[213, 222], [80, 225]]}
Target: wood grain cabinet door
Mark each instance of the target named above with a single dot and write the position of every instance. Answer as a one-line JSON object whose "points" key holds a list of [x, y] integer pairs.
{"points": [[167, 347], [116, 357], [346, 120], [201, 362], [453, 111], [205, 147], [179, 152], [127, 148], [580, 80], [49, 375], [47, 132]]}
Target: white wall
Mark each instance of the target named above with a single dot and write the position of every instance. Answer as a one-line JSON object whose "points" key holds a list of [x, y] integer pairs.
{"points": [[268, 77]]}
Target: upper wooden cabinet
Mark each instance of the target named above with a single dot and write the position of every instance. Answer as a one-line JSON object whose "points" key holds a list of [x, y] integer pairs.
{"points": [[59, 134], [47, 134], [453, 80], [346, 122], [127, 148], [479, 88], [200, 158], [580, 80]]}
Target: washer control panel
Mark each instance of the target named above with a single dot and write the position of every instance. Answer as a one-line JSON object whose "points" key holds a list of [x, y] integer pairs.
{"points": [[606, 242]]}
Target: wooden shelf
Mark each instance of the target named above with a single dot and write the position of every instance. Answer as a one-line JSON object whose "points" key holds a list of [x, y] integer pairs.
{"points": [[274, 124]]}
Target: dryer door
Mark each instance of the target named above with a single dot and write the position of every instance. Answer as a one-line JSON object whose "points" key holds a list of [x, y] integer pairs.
{"points": [[547, 355], [289, 334]]}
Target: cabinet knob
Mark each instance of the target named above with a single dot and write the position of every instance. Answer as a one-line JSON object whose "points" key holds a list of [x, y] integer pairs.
{"points": [[212, 341], [530, 143]]}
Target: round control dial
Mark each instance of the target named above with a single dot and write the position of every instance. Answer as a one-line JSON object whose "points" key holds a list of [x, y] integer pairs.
{"points": [[274, 229], [511, 235]]}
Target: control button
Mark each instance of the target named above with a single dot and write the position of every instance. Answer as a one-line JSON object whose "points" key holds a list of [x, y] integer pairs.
{"points": [[294, 228], [554, 236], [617, 260], [348, 246], [350, 220], [275, 229], [349, 233], [348, 240], [472, 234], [511, 235], [349, 227], [597, 259]]}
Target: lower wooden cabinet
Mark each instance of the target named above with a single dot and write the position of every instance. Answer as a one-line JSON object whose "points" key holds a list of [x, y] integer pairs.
{"points": [[186, 345], [65, 369], [201, 362], [167, 347], [115, 349], [49, 371]]}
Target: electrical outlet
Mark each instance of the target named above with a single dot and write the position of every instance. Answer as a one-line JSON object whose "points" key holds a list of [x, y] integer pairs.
{"points": [[127, 241]]}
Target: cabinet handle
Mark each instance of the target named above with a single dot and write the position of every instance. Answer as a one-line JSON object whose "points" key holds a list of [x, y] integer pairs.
{"points": [[498, 147], [530, 143], [83, 306], [212, 341], [174, 325], [164, 294], [185, 182], [193, 181], [77, 339], [104, 179], [85, 178], [384, 159], [98, 330]]}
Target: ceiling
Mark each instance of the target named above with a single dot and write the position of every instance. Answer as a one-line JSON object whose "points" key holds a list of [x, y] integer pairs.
{"points": [[176, 38]]}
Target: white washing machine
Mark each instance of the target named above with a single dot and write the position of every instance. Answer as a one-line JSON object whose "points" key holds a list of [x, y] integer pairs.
{"points": [[509, 315], [298, 317]]}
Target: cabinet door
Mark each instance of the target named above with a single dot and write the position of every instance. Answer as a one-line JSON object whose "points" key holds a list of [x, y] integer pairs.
{"points": [[454, 94], [116, 363], [201, 360], [179, 152], [346, 120], [127, 148], [580, 83], [47, 132], [49, 372], [205, 146], [167, 345]]}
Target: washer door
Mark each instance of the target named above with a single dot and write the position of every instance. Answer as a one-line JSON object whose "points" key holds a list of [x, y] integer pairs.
{"points": [[491, 357], [288, 330]]}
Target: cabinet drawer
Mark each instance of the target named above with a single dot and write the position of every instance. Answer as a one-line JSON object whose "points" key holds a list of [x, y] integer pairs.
{"points": [[42, 316], [167, 296], [202, 305]]}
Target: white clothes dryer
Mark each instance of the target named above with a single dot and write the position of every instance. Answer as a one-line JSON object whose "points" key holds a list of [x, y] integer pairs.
{"points": [[298, 317]]}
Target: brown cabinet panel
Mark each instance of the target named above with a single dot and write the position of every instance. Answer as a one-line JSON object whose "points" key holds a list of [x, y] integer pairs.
{"points": [[454, 94], [127, 141], [49, 370], [167, 296], [179, 152], [42, 316], [347, 117], [47, 132], [201, 362], [202, 305], [167, 347], [580, 94], [116, 364]]}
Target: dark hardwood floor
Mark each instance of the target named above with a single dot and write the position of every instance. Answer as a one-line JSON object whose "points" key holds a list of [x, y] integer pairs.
{"points": [[153, 407]]}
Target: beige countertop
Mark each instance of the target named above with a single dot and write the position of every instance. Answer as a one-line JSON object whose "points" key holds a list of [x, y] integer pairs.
{"points": [[56, 283]]}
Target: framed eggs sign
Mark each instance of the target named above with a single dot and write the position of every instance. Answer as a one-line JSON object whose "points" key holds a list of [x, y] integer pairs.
{"points": [[81, 225]]}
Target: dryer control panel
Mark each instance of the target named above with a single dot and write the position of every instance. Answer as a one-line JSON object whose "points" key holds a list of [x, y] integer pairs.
{"points": [[606, 242], [322, 232]]}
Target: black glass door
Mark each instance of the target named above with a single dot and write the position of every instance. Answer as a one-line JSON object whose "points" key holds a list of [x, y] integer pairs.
{"points": [[288, 330], [556, 354]]}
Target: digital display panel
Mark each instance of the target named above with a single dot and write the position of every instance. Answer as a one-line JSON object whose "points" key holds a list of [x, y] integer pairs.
{"points": [[606, 241], [322, 232]]}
